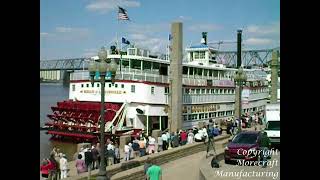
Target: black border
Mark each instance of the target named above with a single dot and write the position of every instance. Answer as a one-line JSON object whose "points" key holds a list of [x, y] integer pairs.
{"points": [[20, 89]]}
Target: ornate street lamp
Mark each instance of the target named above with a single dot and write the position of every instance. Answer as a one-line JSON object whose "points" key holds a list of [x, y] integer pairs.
{"points": [[240, 78], [103, 68]]}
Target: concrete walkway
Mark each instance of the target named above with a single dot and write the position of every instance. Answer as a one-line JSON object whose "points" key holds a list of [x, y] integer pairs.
{"points": [[187, 168]]}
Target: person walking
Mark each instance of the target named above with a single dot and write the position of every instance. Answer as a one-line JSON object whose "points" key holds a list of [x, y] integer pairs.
{"points": [[142, 146], [183, 136], [116, 153], [151, 146], [44, 168], [190, 137], [127, 152], [264, 144], [64, 166], [95, 155], [154, 172], [146, 166], [135, 147], [165, 141], [210, 133], [80, 165]]}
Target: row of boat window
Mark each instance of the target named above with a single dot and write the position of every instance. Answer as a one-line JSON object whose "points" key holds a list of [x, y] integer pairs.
{"points": [[186, 90], [201, 116], [98, 85]]}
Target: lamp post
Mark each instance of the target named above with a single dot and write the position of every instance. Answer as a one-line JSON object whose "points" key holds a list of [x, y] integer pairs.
{"points": [[240, 78], [103, 68]]}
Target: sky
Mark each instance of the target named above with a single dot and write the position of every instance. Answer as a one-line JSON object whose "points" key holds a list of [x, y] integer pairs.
{"points": [[79, 28]]}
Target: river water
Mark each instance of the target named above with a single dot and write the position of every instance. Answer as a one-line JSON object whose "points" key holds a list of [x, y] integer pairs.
{"points": [[50, 94]]}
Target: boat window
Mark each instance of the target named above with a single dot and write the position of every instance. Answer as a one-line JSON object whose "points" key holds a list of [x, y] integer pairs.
{"points": [[205, 72], [192, 91], [122, 85], [216, 91], [199, 71], [135, 64], [125, 63], [98, 84], [190, 70], [146, 65], [208, 91], [87, 85], [152, 90], [166, 90], [155, 65], [198, 91], [212, 91], [185, 70], [225, 91], [73, 87], [185, 117], [82, 85], [133, 88], [116, 85], [205, 115], [163, 69], [203, 91], [196, 55], [187, 90], [210, 72], [109, 85], [92, 85], [202, 55], [132, 51], [221, 91]]}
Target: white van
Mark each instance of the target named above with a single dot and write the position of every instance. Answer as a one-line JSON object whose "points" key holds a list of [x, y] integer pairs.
{"points": [[273, 123]]}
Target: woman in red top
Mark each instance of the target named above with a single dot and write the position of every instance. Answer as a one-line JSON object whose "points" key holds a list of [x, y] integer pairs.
{"points": [[183, 136], [44, 168]]}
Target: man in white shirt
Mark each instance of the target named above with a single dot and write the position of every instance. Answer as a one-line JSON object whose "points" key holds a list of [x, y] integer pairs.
{"points": [[63, 166], [126, 152], [164, 138]]}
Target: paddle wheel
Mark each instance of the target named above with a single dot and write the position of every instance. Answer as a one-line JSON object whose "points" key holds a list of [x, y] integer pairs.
{"points": [[79, 120]]}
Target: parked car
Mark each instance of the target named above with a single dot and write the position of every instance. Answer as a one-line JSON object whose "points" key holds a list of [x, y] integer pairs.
{"points": [[243, 146]]}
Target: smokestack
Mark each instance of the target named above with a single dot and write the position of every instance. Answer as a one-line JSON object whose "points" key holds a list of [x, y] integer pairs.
{"points": [[204, 38], [239, 48]]}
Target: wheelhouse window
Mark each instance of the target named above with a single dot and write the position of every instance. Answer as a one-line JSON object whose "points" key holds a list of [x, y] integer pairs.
{"points": [[132, 52], [201, 55]]}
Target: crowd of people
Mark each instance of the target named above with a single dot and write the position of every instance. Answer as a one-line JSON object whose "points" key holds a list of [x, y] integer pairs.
{"points": [[88, 158], [55, 167]]}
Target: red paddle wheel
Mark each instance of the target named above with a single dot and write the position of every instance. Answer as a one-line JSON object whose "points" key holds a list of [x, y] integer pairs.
{"points": [[78, 120]]}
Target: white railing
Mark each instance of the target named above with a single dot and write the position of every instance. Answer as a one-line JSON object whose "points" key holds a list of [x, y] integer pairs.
{"points": [[138, 75]]}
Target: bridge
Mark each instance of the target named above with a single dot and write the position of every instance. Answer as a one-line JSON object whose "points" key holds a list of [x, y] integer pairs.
{"points": [[59, 69]]}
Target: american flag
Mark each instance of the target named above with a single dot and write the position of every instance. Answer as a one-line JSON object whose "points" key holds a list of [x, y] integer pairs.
{"points": [[122, 14]]}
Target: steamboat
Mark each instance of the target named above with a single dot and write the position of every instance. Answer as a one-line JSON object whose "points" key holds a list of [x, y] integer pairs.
{"points": [[138, 99]]}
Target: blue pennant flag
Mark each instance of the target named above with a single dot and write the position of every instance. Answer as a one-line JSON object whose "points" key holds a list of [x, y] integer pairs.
{"points": [[124, 41]]}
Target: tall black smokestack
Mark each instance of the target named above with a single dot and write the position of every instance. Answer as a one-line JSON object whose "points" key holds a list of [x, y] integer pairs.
{"points": [[239, 48], [204, 38]]}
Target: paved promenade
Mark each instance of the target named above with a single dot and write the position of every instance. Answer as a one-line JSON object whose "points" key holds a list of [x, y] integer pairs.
{"points": [[187, 168]]}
